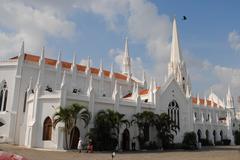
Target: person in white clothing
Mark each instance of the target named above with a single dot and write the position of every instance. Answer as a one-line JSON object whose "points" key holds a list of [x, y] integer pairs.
{"points": [[80, 145]]}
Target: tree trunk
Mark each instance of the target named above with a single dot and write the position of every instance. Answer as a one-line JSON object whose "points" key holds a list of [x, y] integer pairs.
{"points": [[66, 141]]}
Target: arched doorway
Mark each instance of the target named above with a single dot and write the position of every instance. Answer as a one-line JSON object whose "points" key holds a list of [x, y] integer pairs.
{"points": [[47, 129], [214, 136], [74, 138], [207, 135], [221, 135], [125, 140], [199, 134]]}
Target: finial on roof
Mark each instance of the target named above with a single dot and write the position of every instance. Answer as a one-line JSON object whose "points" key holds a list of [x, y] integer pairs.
{"points": [[22, 49], [30, 85], [101, 68], [188, 94], [64, 79], [87, 71], [73, 62], [90, 86], [42, 58], [58, 64], [111, 71]]}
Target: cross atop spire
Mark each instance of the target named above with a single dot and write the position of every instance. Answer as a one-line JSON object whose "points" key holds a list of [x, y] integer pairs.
{"points": [[176, 55]]}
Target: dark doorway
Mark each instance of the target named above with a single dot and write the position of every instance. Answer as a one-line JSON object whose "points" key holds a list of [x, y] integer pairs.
{"points": [[207, 135], [74, 138], [125, 140], [214, 137], [199, 134], [221, 135]]}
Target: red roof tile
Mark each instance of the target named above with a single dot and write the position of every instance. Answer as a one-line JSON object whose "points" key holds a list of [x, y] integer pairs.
{"points": [[67, 65]]}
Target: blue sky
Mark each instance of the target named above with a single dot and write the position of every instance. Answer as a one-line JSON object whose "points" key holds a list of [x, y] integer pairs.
{"points": [[210, 38]]}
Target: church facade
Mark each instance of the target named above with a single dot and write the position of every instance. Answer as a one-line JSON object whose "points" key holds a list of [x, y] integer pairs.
{"points": [[33, 87]]}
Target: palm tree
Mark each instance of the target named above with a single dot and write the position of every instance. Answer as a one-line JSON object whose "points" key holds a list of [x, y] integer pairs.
{"points": [[69, 116], [107, 128], [63, 115], [78, 111], [165, 128], [143, 120]]}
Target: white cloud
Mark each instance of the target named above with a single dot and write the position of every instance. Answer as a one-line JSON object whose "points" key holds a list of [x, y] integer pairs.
{"points": [[234, 40], [32, 24]]}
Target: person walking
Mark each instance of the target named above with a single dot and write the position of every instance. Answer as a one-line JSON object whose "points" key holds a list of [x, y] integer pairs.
{"points": [[134, 143], [80, 145]]}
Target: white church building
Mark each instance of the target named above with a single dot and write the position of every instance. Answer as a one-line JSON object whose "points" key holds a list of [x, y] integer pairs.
{"points": [[32, 88]]}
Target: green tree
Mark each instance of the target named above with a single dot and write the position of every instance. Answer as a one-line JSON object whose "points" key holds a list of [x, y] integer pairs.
{"points": [[165, 128], [80, 112], [106, 129], [69, 117], [190, 140], [143, 120], [64, 115]]}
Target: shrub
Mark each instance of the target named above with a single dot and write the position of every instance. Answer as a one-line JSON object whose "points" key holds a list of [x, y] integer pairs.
{"points": [[237, 137], [190, 140], [218, 143], [226, 141], [150, 145], [206, 142]]}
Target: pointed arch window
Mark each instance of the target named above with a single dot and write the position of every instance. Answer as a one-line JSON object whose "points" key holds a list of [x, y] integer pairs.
{"points": [[3, 95], [47, 129], [173, 112]]}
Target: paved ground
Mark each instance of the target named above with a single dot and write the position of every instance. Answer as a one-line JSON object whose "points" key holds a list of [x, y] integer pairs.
{"points": [[220, 153]]}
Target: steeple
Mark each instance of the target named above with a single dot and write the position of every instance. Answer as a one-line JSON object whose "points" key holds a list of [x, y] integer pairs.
{"points": [[126, 60], [111, 71], [20, 60], [229, 99], [176, 55], [73, 67], [176, 66]]}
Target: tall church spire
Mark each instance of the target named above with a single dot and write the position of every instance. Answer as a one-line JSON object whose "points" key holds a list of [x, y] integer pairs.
{"points": [[176, 55], [229, 99], [176, 66], [126, 60]]}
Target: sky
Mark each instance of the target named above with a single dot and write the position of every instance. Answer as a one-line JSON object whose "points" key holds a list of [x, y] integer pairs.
{"points": [[209, 38]]}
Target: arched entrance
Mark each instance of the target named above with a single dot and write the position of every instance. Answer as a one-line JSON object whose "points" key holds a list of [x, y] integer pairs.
{"points": [[221, 135], [214, 137], [199, 134], [125, 140], [207, 135], [74, 137]]}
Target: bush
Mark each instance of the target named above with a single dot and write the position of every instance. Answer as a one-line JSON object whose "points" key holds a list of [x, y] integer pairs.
{"points": [[237, 137], [206, 142], [190, 140], [218, 143], [150, 145], [226, 141]]}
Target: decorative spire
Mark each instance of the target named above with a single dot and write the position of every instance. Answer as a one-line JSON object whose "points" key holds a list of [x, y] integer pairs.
{"points": [[22, 50], [63, 80], [188, 94], [198, 99], [90, 86], [176, 55], [115, 91], [87, 71], [73, 67], [154, 85], [58, 64], [100, 74], [136, 91], [126, 59], [30, 85], [42, 58], [112, 71], [144, 79], [205, 101], [151, 85]]}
